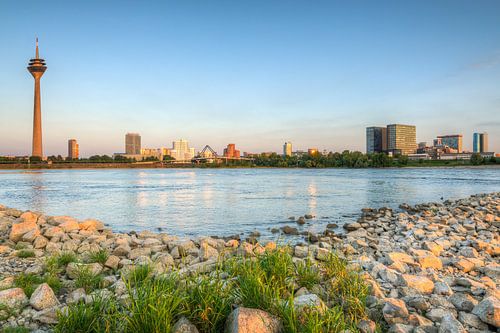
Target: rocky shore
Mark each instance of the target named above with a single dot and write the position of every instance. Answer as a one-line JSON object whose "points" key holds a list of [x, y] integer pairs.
{"points": [[432, 267]]}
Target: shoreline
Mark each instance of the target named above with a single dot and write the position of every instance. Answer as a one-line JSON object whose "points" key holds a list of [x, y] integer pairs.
{"points": [[431, 267], [100, 166]]}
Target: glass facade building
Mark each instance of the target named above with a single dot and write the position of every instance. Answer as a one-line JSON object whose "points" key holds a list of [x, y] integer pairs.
{"points": [[132, 144], [376, 139], [401, 139]]}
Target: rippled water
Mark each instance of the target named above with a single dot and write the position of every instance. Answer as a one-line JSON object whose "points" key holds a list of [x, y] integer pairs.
{"points": [[228, 201]]}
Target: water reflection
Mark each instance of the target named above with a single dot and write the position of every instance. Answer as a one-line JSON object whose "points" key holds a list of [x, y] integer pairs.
{"points": [[229, 201]]}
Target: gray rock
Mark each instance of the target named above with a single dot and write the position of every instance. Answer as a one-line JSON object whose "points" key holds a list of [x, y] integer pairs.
{"points": [[43, 297], [183, 325], [488, 310], [394, 311], [309, 300], [450, 325], [463, 302], [245, 320]]}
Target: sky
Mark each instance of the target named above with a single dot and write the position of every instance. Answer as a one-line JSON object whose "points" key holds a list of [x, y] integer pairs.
{"points": [[255, 73]]}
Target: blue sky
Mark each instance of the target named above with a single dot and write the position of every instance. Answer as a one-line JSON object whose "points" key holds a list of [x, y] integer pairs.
{"points": [[255, 73]]}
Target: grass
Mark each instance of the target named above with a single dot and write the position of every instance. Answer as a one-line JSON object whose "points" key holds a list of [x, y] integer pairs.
{"points": [[26, 254], [28, 282], [267, 282], [100, 257], [17, 329], [65, 258], [87, 280], [5, 312]]}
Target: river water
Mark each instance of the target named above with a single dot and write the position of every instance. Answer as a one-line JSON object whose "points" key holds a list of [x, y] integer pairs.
{"points": [[194, 202]]}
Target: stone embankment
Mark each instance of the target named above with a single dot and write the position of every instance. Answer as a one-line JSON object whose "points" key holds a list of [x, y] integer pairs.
{"points": [[430, 268]]}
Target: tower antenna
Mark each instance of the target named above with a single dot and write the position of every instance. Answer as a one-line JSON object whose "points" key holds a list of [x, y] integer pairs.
{"points": [[37, 48]]}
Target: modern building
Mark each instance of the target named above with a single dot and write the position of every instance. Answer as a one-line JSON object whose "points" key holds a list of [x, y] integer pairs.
{"points": [[181, 151], [73, 150], [376, 139], [37, 67], [287, 149], [401, 139], [312, 151], [231, 151], [132, 144], [480, 142], [452, 141]]}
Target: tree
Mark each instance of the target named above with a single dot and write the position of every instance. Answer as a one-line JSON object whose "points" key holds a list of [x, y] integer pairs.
{"points": [[476, 159]]}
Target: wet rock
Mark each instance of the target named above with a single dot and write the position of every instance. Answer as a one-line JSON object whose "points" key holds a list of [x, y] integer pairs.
{"points": [[289, 230]]}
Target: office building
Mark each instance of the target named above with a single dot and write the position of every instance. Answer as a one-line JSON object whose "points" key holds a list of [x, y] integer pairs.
{"points": [[73, 150], [376, 139], [181, 151], [37, 67], [451, 141], [287, 149], [132, 144], [401, 139], [231, 151], [480, 142]]}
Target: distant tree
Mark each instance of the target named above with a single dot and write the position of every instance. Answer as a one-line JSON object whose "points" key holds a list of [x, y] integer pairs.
{"points": [[35, 159], [403, 160], [168, 158], [476, 159]]}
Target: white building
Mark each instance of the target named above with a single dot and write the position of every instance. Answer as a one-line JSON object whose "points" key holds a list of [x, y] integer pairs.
{"points": [[287, 149], [181, 150]]}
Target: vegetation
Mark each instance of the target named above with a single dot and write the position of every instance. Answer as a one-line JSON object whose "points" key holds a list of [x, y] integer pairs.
{"points": [[16, 329], [87, 280], [25, 254], [100, 256], [268, 282]]}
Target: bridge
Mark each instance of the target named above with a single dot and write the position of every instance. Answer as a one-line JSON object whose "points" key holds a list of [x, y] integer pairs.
{"points": [[208, 155]]}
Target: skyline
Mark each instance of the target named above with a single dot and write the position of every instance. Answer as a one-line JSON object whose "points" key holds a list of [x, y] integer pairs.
{"points": [[322, 94]]}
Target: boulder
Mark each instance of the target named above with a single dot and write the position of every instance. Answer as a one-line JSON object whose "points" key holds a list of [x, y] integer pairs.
{"points": [[207, 252], [19, 229], [139, 252], [450, 325], [394, 311], [301, 251], [419, 283], [488, 310], [73, 269], [309, 300], [463, 302], [43, 297], [183, 325], [91, 224], [393, 257], [69, 226], [29, 217], [14, 298], [245, 320], [112, 262]]}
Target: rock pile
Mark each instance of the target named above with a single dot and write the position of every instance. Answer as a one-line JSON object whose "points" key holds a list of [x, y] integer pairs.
{"points": [[431, 268]]}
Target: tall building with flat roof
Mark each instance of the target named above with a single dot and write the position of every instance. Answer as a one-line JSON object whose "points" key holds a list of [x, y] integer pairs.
{"points": [[480, 142], [452, 141], [231, 151], [181, 151], [132, 144], [376, 139], [73, 149], [401, 139], [287, 149]]}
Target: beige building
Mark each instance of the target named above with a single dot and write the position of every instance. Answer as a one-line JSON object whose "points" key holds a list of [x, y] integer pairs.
{"points": [[73, 150], [132, 144], [401, 139], [181, 151], [287, 149]]}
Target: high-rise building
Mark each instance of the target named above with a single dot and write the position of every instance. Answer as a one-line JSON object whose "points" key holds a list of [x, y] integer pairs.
{"points": [[231, 151], [73, 150], [132, 144], [452, 141], [480, 142], [181, 151], [376, 139], [401, 139], [37, 67], [312, 151], [287, 149]]}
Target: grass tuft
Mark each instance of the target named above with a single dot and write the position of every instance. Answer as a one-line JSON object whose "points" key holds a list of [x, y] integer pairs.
{"points": [[16, 329], [99, 256], [307, 274], [87, 280], [65, 258], [28, 282], [25, 254]]}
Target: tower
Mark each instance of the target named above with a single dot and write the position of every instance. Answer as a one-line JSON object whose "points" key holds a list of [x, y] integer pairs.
{"points": [[37, 67]]}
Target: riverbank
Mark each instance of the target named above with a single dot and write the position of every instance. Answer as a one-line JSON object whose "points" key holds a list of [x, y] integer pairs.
{"points": [[434, 267]]}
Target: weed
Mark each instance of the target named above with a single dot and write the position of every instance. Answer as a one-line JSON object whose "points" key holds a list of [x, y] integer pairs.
{"points": [[26, 254], [65, 258], [307, 274], [28, 282], [139, 274], [16, 329], [99, 256], [87, 280]]}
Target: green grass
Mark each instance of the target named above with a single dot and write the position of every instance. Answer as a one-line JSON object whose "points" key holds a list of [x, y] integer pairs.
{"points": [[267, 282], [87, 280], [5, 312], [98, 256], [65, 258], [20, 246], [17, 329], [209, 300], [101, 315], [307, 274], [25, 254], [28, 282], [155, 304]]}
